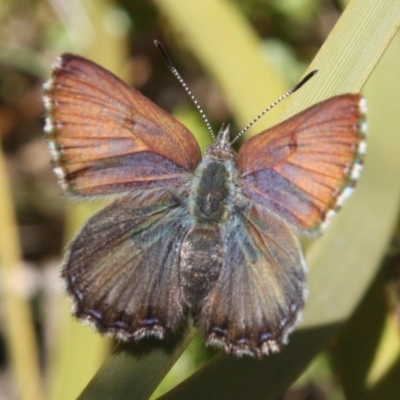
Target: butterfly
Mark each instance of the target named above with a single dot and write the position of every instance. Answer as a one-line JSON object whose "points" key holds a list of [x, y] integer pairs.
{"points": [[213, 237]]}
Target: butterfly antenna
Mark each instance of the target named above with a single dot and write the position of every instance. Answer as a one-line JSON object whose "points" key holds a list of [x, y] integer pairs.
{"points": [[183, 83], [288, 93]]}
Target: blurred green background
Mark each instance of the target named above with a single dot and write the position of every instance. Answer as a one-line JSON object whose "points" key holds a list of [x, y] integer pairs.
{"points": [[237, 57]]}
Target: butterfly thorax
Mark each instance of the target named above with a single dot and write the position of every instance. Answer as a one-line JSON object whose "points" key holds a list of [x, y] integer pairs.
{"points": [[212, 185]]}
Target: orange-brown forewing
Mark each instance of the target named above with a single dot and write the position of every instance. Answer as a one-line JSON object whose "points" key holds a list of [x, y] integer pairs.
{"points": [[306, 166], [106, 137]]}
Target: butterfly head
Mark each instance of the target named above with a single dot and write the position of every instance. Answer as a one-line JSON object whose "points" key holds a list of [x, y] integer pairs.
{"points": [[221, 149]]}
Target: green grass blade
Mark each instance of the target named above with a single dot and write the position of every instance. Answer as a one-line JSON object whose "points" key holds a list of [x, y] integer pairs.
{"points": [[361, 338], [17, 318], [134, 371], [356, 346]]}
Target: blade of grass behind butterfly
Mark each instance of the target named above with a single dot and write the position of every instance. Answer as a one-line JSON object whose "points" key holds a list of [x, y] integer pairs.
{"points": [[383, 378], [345, 260], [363, 335], [368, 348], [18, 326], [354, 351]]}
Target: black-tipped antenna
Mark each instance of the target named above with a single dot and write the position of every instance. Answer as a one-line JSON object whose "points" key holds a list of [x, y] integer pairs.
{"points": [[288, 93], [183, 83]]}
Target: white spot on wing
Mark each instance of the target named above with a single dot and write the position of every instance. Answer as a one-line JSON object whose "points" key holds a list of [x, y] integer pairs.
{"points": [[59, 172], [362, 148], [328, 218], [48, 85], [344, 195], [355, 173], [48, 104], [364, 127], [363, 105], [57, 64], [48, 126], [54, 151]]}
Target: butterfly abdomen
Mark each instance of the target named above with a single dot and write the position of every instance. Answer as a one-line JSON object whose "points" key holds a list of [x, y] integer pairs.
{"points": [[200, 263]]}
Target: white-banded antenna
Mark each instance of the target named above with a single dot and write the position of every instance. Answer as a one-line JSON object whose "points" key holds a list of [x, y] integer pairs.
{"points": [[183, 83], [288, 93]]}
